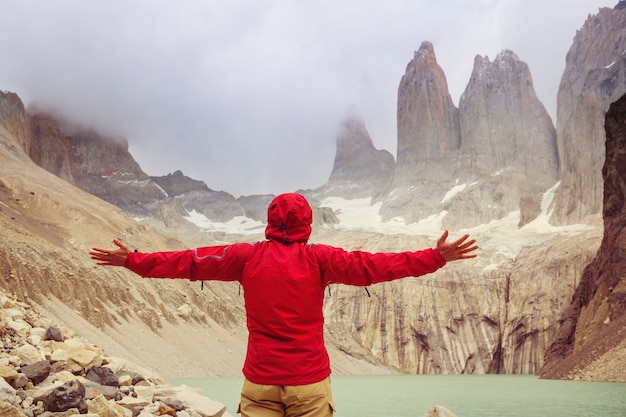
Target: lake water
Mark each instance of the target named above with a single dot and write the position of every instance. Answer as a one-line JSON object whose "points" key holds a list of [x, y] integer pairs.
{"points": [[464, 395]]}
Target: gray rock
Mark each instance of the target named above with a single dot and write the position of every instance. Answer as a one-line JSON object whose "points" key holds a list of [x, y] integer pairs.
{"points": [[67, 396], [102, 375], [37, 372], [508, 146], [54, 333], [93, 389]]}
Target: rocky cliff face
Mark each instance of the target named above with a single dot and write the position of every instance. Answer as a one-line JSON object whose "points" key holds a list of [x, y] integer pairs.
{"points": [[428, 126], [14, 124], [508, 156], [592, 338], [594, 77], [497, 315], [99, 165]]}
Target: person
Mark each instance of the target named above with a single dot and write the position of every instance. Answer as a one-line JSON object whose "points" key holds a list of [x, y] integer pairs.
{"points": [[287, 368]]}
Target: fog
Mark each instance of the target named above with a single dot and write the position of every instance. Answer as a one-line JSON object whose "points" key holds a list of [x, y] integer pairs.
{"points": [[248, 96]]}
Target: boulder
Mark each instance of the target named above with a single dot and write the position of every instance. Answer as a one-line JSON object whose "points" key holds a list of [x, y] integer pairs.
{"points": [[439, 411], [54, 333], [7, 410], [66, 396], [7, 393], [37, 372], [102, 375], [28, 354], [191, 399], [104, 408]]}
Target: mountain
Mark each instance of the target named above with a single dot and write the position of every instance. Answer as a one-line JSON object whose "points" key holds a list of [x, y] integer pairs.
{"points": [[102, 166], [172, 327], [497, 151], [491, 167], [359, 170], [428, 141], [594, 325], [508, 155], [594, 77]]}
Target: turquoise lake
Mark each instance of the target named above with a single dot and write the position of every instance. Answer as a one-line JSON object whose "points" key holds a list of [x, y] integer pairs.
{"points": [[464, 395]]}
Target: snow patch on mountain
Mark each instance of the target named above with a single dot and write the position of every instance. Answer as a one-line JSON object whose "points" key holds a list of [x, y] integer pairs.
{"points": [[361, 214], [241, 225], [454, 191], [503, 235]]}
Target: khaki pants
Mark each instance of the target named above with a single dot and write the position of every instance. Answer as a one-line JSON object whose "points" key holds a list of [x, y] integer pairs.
{"points": [[313, 400]]}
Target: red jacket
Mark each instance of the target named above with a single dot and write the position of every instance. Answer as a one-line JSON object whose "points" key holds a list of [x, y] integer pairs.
{"points": [[284, 280]]}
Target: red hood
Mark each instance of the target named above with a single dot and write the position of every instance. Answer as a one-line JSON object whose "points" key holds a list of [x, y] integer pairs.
{"points": [[289, 218]]}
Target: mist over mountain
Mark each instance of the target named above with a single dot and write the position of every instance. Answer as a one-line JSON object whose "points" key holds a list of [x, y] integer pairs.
{"points": [[359, 170], [495, 166]]}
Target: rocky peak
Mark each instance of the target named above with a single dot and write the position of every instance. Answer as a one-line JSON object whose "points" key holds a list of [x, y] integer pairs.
{"points": [[428, 140], [359, 169], [177, 183], [508, 149], [102, 166], [503, 123], [594, 77], [353, 136], [497, 150], [428, 133]]}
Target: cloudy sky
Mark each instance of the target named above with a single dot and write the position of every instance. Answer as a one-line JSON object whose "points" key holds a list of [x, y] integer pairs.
{"points": [[247, 95]]}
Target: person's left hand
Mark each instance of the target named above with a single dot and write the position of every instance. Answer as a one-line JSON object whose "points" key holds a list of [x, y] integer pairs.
{"points": [[111, 257], [462, 248]]}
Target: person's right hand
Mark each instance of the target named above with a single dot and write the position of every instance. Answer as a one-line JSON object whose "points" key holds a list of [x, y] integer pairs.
{"points": [[111, 257]]}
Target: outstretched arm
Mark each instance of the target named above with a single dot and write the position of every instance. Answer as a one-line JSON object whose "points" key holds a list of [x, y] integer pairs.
{"points": [[223, 263], [462, 248], [111, 257]]}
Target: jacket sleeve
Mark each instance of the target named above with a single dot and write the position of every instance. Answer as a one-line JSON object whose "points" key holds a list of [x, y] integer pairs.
{"points": [[339, 266], [222, 263]]}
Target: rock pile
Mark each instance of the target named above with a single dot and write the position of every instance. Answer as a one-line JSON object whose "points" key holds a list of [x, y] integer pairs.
{"points": [[48, 371]]}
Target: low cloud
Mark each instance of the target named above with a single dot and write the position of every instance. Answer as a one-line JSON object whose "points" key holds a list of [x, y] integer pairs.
{"points": [[248, 96]]}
